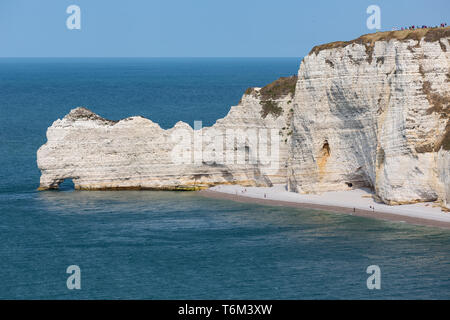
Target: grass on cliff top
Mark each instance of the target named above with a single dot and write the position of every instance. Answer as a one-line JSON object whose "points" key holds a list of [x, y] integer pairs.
{"points": [[279, 88], [429, 35]]}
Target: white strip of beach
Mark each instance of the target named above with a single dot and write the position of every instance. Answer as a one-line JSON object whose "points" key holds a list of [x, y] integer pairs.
{"points": [[357, 202]]}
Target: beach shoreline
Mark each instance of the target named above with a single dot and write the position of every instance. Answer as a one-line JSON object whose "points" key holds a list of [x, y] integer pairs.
{"points": [[423, 214]]}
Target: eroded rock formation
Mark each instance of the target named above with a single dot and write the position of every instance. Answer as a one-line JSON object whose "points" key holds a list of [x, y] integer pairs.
{"points": [[374, 112], [370, 112], [136, 153]]}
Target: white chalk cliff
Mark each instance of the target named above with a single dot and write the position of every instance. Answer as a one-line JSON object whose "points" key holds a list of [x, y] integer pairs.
{"points": [[375, 112], [370, 112], [136, 153]]}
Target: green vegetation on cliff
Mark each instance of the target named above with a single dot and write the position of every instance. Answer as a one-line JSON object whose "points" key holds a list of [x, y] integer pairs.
{"points": [[368, 40], [272, 92]]}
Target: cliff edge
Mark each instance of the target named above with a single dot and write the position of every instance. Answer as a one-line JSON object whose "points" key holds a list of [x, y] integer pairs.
{"points": [[370, 112], [248, 147], [374, 112]]}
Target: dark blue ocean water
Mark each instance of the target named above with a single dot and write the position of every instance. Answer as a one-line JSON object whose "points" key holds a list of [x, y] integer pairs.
{"points": [[160, 245]]}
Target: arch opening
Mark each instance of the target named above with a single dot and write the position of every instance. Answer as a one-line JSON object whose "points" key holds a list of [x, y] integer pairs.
{"points": [[66, 185]]}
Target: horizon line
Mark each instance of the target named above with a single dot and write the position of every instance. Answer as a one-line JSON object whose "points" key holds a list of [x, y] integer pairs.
{"points": [[143, 57]]}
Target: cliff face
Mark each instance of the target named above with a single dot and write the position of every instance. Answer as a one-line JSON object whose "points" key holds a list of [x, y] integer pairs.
{"points": [[370, 112], [374, 112], [135, 153]]}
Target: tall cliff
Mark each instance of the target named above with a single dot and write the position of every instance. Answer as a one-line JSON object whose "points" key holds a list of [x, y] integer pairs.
{"points": [[375, 112], [136, 153], [370, 112]]}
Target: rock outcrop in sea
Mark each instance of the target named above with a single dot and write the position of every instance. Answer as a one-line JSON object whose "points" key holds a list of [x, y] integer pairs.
{"points": [[136, 153], [371, 112]]}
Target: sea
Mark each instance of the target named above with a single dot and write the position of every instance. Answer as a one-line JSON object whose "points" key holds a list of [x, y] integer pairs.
{"points": [[180, 245]]}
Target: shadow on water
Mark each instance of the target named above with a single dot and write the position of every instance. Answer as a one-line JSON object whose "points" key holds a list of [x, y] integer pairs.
{"points": [[67, 186]]}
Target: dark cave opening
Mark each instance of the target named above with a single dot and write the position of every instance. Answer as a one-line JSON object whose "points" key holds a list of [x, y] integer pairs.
{"points": [[67, 185]]}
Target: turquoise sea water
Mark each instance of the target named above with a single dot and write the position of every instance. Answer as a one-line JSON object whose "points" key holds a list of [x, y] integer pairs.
{"points": [[166, 245]]}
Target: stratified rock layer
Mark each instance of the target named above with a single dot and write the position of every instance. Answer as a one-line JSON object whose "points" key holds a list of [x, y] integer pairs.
{"points": [[370, 112], [374, 114], [135, 153]]}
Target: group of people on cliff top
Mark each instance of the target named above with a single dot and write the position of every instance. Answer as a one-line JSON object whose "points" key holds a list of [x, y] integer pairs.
{"points": [[442, 25]]}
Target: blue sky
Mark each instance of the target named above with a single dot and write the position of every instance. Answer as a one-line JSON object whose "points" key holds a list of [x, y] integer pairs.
{"points": [[197, 28]]}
